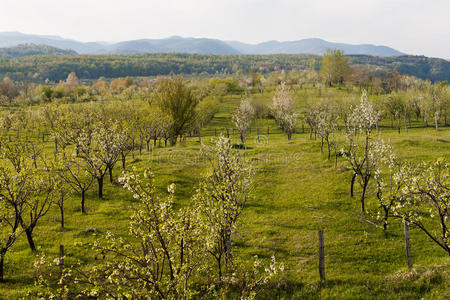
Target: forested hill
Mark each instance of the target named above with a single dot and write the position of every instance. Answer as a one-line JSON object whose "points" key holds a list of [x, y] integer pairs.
{"points": [[55, 68], [33, 49], [435, 69]]}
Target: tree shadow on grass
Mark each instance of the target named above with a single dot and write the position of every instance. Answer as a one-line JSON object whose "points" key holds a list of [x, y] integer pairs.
{"points": [[241, 147]]}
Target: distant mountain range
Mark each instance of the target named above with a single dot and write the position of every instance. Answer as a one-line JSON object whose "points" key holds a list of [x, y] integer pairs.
{"points": [[32, 49], [194, 45]]}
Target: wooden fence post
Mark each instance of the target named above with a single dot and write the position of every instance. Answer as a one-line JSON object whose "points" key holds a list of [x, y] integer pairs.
{"points": [[407, 245], [321, 256]]}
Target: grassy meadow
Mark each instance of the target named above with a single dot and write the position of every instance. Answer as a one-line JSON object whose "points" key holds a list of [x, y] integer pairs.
{"points": [[296, 191]]}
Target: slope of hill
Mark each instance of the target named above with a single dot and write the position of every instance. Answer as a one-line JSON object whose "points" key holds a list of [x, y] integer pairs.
{"points": [[194, 45], [10, 39], [312, 46], [172, 44], [32, 49], [435, 69], [55, 68]]}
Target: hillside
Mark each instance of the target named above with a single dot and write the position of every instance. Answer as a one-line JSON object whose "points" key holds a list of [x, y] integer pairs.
{"points": [[435, 69], [56, 68], [32, 49], [194, 45], [312, 46], [10, 39], [172, 44]]}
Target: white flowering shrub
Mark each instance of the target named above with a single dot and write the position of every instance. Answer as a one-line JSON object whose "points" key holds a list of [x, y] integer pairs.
{"points": [[363, 117], [365, 159], [362, 153], [425, 200], [283, 109], [221, 197], [242, 118]]}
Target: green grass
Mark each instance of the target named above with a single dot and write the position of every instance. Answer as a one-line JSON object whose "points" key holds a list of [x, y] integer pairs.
{"points": [[296, 192]]}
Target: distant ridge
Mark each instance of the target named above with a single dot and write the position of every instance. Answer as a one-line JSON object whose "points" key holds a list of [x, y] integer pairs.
{"points": [[313, 46], [178, 44], [32, 49]]}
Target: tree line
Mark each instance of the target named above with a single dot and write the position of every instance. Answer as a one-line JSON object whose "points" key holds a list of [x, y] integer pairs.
{"points": [[55, 68]]}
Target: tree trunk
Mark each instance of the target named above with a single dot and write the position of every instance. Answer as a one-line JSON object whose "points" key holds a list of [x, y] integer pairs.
{"points": [[335, 158], [386, 215], [148, 145], [329, 150], [363, 195], [110, 171], [29, 235], [321, 146], [61, 208], [61, 212], [436, 121], [123, 161], [352, 184], [173, 140], [100, 187], [83, 210], [406, 125], [227, 244], [2, 260]]}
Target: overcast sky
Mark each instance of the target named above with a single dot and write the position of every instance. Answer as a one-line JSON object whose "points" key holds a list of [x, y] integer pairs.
{"points": [[411, 26]]}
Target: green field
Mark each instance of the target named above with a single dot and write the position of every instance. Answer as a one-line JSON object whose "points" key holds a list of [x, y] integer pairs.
{"points": [[296, 191]]}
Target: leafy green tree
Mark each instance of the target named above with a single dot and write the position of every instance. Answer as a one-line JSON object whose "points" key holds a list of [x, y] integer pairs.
{"points": [[334, 67], [178, 102]]}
